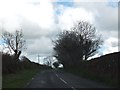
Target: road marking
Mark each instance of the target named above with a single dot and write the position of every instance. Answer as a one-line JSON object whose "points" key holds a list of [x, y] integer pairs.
{"points": [[65, 82], [73, 88], [32, 78], [29, 82], [57, 75]]}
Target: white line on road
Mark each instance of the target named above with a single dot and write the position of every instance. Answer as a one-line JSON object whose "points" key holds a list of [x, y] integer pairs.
{"points": [[73, 88], [29, 82], [56, 75], [65, 82], [32, 78]]}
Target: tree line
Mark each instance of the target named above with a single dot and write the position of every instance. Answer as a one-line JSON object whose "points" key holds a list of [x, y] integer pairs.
{"points": [[72, 46], [10, 65]]}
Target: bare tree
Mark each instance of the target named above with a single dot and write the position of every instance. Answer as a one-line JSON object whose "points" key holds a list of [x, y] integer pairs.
{"points": [[91, 42], [77, 44], [14, 42], [48, 60]]}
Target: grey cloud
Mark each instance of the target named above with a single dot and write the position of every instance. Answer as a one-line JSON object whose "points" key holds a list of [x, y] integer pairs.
{"points": [[42, 45], [108, 20], [114, 44], [32, 30], [106, 16], [107, 34], [38, 40]]}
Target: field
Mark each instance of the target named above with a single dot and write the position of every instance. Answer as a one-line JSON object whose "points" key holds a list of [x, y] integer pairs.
{"points": [[18, 80]]}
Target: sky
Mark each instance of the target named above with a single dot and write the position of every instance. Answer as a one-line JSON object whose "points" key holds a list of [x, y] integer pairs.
{"points": [[42, 20]]}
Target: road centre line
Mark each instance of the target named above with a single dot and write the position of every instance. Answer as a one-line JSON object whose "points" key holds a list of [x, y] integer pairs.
{"points": [[56, 75], [65, 82], [29, 82]]}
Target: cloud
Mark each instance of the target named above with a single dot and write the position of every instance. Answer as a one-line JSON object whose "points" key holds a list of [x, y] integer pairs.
{"points": [[42, 20], [35, 18], [105, 21], [70, 15], [106, 17], [113, 42], [40, 45], [96, 0], [41, 14], [66, 3]]}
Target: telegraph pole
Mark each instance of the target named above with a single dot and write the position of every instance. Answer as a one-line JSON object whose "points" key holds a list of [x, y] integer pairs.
{"points": [[38, 58]]}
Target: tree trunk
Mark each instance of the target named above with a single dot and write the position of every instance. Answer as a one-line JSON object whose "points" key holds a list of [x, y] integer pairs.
{"points": [[17, 54]]}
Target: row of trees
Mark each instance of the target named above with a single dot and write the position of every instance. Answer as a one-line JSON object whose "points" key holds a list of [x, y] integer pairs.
{"points": [[77, 44], [72, 46], [15, 43], [11, 63]]}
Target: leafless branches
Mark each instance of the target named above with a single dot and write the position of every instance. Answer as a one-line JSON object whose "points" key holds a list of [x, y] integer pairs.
{"points": [[14, 42]]}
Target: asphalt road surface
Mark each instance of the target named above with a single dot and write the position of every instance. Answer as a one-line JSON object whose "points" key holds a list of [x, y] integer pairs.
{"points": [[61, 79]]}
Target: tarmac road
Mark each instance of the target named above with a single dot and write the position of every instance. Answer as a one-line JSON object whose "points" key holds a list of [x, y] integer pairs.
{"points": [[61, 79]]}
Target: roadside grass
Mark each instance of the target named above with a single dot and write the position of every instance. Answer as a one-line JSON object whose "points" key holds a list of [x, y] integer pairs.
{"points": [[18, 80], [105, 80]]}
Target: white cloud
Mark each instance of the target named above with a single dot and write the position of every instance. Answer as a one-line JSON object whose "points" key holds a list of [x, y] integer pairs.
{"points": [[40, 23], [72, 14], [112, 41], [105, 15], [41, 14], [1, 47], [12, 10], [41, 45], [110, 45], [96, 0], [110, 50]]}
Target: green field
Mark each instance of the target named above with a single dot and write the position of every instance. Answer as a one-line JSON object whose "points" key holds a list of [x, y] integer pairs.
{"points": [[18, 80]]}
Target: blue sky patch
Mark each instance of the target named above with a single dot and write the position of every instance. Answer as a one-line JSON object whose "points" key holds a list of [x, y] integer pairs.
{"points": [[113, 4], [1, 41], [66, 3]]}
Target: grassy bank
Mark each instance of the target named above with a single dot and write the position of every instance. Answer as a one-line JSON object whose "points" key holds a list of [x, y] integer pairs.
{"points": [[87, 74], [19, 79]]}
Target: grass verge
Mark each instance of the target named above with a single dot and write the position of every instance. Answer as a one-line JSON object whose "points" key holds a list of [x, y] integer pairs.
{"points": [[86, 74], [18, 80]]}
